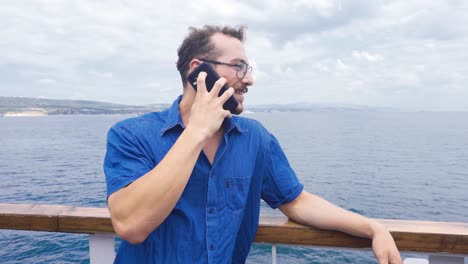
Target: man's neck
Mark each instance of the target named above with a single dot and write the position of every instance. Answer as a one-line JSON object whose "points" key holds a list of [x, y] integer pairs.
{"points": [[185, 105]]}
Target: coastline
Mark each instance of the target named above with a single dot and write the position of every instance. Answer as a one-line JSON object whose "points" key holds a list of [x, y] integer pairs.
{"points": [[29, 112]]}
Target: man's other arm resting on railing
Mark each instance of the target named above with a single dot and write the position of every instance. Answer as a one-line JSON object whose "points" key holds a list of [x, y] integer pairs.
{"points": [[309, 209]]}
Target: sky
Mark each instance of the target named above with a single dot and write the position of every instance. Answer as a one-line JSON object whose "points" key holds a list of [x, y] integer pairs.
{"points": [[398, 54]]}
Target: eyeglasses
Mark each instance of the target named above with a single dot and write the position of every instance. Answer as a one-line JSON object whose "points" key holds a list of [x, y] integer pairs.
{"points": [[242, 67]]}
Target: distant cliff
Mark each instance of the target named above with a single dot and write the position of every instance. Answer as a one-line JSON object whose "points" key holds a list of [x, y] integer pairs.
{"points": [[71, 107], [80, 107]]}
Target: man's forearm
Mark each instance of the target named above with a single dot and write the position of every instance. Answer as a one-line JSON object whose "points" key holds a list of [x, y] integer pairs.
{"points": [[139, 208], [309, 209]]}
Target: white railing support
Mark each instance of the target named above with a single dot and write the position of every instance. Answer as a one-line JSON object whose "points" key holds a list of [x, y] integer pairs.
{"points": [[101, 248], [441, 259], [415, 261], [273, 254], [436, 259]]}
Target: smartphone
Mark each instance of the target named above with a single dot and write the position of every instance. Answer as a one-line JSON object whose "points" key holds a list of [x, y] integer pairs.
{"points": [[211, 78]]}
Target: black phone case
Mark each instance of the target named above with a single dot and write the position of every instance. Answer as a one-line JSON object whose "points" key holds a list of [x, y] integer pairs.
{"points": [[211, 78]]}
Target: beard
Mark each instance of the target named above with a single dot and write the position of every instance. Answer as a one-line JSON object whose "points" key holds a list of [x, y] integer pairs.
{"points": [[239, 109], [239, 95]]}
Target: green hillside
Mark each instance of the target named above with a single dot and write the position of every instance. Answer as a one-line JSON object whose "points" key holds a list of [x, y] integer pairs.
{"points": [[54, 107]]}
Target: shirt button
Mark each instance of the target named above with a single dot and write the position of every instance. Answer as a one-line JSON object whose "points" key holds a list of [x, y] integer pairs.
{"points": [[211, 210], [211, 247]]}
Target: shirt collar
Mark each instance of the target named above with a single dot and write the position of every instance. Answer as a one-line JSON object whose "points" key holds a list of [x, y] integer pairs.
{"points": [[233, 123], [173, 117], [175, 120]]}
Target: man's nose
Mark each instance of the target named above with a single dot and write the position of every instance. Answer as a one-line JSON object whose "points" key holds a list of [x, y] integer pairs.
{"points": [[248, 79]]}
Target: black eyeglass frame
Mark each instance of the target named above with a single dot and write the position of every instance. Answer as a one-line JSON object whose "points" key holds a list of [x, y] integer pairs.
{"points": [[239, 66]]}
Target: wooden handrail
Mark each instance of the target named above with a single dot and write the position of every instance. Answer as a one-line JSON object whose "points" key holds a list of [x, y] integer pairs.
{"points": [[417, 236]]}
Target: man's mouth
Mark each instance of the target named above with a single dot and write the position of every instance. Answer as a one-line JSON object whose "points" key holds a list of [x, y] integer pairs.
{"points": [[239, 94], [242, 90]]}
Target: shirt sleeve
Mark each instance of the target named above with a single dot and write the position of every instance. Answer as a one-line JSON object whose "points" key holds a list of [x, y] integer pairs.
{"points": [[280, 183], [125, 159]]}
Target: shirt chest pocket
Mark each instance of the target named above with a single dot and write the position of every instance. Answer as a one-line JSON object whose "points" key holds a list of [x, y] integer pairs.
{"points": [[236, 192]]}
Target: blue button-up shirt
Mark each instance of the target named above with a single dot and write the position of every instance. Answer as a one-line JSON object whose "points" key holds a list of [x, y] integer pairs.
{"points": [[216, 218]]}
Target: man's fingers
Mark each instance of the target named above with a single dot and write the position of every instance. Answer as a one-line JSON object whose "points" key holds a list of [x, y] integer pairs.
{"points": [[217, 86], [228, 114], [226, 95], [202, 90], [396, 260], [383, 260], [201, 85]]}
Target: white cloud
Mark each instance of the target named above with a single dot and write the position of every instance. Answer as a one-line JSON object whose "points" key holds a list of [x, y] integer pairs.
{"points": [[106, 75], [363, 55], [357, 51], [47, 81], [341, 67]]}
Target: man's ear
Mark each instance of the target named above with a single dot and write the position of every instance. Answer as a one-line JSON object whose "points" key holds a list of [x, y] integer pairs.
{"points": [[194, 64]]}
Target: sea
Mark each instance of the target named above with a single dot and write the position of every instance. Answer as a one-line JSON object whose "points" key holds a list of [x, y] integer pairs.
{"points": [[381, 164]]}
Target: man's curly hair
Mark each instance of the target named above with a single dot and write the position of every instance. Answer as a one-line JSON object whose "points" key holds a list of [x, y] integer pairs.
{"points": [[197, 45]]}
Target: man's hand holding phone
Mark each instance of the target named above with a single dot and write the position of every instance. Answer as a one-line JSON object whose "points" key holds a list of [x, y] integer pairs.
{"points": [[210, 79], [207, 113]]}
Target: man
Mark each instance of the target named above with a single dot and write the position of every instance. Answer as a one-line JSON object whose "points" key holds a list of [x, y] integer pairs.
{"points": [[184, 185]]}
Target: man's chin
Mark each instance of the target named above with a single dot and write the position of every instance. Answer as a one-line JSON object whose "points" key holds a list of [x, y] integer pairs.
{"points": [[239, 109]]}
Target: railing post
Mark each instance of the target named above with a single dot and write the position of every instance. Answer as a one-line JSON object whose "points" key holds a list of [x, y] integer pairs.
{"points": [[273, 254], [101, 248], [441, 259], [415, 261], [436, 259]]}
